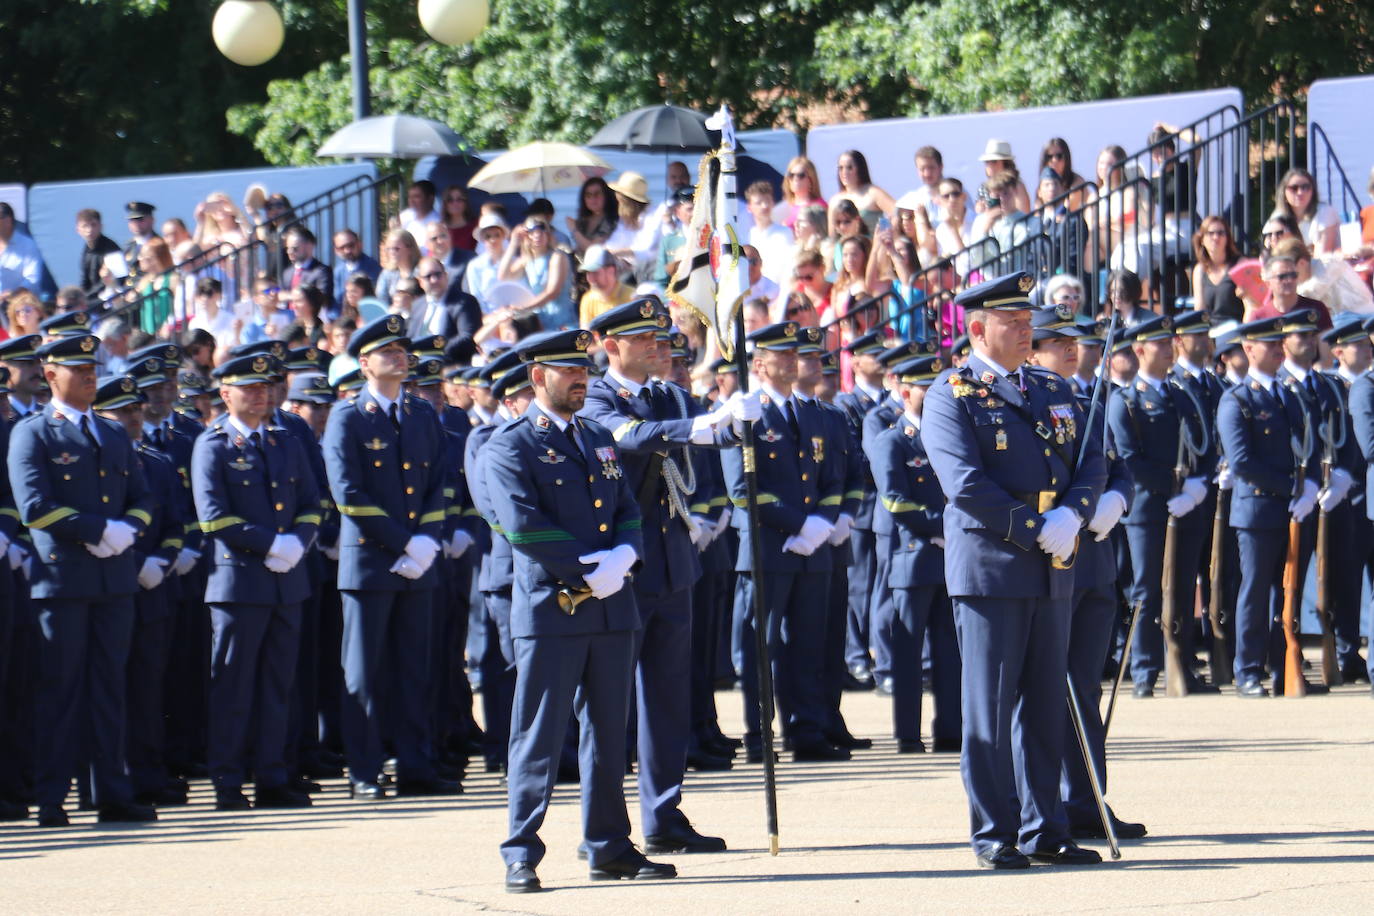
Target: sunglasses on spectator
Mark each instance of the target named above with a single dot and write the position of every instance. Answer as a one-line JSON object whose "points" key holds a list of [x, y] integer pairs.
{"points": [[794, 310], [1273, 233], [1056, 155], [1215, 233], [536, 227], [1299, 186], [270, 290], [801, 174], [1287, 275], [806, 278], [949, 195], [456, 199]]}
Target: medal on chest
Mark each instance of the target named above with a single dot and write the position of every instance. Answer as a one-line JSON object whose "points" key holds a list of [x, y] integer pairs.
{"points": [[610, 466]]}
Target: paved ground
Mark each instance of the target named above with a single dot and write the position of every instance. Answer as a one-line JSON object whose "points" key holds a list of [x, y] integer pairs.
{"points": [[1252, 806]]}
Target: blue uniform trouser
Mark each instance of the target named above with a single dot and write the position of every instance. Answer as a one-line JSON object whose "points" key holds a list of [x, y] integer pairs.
{"points": [[329, 683], [497, 665], [252, 664], [1262, 554], [1014, 653], [385, 652], [1147, 563], [149, 652], [836, 623], [863, 572], [1090, 636], [663, 690], [83, 650], [711, 598], [188, 675], [880, 610], [555, 676], [918, 611], [303, 741], [17, 690], [1349, 538], [795, 604], [450, 693]]}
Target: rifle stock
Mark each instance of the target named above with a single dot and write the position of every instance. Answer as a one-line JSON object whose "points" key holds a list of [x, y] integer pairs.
{"points": [[1293, 683], [1331, 668], [1220, 657], [1175, 674]]}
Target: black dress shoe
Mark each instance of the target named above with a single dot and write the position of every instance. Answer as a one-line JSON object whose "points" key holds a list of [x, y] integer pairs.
{"points": [[493, 766], [910, 746], [1143, 691], [1251, 688], [280, 797], [845, 739], [304, 785], [521, 879], [366, 791], [703, 762], [319, 769], [126, 813], [1068, 854], [631, 865], [1354, 670], [13, 810], [755, 755], [884, 686], [427, 787], [1005, 857], [723, 738], [948, 745], [818, 752], [1124, 830], [680, 841], [52, 816], [231, 800], [167, 796]]}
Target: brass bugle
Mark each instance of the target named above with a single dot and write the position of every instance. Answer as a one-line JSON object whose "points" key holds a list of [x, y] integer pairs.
{"points": [[570, 598]]}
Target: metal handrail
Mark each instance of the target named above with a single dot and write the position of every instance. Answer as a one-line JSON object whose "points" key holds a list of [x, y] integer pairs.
{"points": [[249, 254], [1321, 157]]}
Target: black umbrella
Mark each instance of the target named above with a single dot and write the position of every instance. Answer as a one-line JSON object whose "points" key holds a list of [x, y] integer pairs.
{"points": [[658, 129]]}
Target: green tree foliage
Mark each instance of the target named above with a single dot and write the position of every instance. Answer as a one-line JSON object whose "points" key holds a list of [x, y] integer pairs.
{"points": [[959, 55]]}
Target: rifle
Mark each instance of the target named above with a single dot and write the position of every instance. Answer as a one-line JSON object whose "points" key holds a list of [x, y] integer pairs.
{"points": [[1220, 656], [1175, 678], [1331, 669], [1293, 683]]}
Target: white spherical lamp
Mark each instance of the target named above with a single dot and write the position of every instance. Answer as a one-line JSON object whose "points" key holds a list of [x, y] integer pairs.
{"points": [[454, 22], [248, 32]]}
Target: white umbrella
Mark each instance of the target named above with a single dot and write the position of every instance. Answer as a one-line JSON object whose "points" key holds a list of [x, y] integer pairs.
{"points": [[536, 167], [392, 137]]}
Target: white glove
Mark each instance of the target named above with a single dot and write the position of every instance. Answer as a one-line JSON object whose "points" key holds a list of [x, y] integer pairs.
{"points": [[1301, 507], [27, 566], [17, 555], [458, 544], [331, 553], [422, 549], [704, 425], [746, 408], [406, 567], [119, 536], [797, 545], [1180, 505], [1336, 490], [703, 532], [1225, 479], [287, 548], [843, 525], [186, 561], [1196, 488], [723, 522], [276, 564], [611, 566], [815, 531], [4, 542], [1109, 510], [100, 551], [153, 572], [938, 542], [1057, 535]]}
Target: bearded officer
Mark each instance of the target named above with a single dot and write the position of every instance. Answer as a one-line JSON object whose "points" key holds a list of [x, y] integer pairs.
{"points": [[1005, 446]]}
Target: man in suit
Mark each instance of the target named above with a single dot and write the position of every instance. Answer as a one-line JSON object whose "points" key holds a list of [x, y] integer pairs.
{"points": [[446, 310], [350, 259], [76, 488], [258, 507], [1005, 446], [305, 269], [1257, 421], [575, 541], [384, 454]]}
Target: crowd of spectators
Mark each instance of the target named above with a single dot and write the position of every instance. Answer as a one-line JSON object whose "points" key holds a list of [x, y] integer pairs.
{"points": [[1130, 238]]}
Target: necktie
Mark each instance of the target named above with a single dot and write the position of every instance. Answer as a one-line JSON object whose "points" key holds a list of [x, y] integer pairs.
{"points": [[790, 410], [1015, 379], [571, 432], [395, 417], [90, 436], [256, 439]]}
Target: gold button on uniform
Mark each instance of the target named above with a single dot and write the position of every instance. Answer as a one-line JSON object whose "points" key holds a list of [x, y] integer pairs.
{"points": [[803, 475], [104, 499], [376, 464], [280, 506], [601, 527], [405, 466], [410, 491], [410, 515], [596, 503]]}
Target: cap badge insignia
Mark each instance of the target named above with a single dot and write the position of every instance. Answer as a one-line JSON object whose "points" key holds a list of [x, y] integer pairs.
{"points": [[87, 344], [260, 364], [65, 459], [1025, 284], [646, 310], [376, 445], [551, 457], [393, 324]]}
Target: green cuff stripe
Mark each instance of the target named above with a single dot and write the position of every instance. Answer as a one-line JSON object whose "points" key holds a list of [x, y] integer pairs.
{"points": [[831, 501], [763, 499], [450, 492], [10, 513], [220, 524], [308, 518], [633, 524], [497, 529], [854, 494], [190, 527], [172, 542], [472, 510], [900, 505], [431, 517], [720, 501], [358, 511], [454, 510], [55, 515], [142, 515], [537, 537]]}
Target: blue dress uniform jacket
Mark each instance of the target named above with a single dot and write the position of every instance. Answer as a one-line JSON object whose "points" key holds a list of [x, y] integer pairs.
{"points": [[1095, 563], [910, 492], [555, 503], [1361, 405], [163, 537], [856, 405], [995, 450], [245, 497], [1145, 431], [387, 487], [1256, 427], [65, 494], [795, 480]]}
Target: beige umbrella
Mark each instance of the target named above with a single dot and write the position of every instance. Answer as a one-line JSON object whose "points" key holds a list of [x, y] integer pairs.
{"points": [[537, 167]]}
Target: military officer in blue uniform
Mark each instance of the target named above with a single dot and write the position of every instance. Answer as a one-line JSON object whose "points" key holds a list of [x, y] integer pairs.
{"points": [[384, 452], [77, 488], [1155, 421], [911, 494], [561, 497], [1005, 445], [1257, 421], [653, 424], [1095, 603], [799, 497], [1350, 539], [259, 510], [15, 638]]}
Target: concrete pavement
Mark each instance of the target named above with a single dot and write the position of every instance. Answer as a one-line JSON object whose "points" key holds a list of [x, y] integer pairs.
{"points": [[1252, 805]]}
